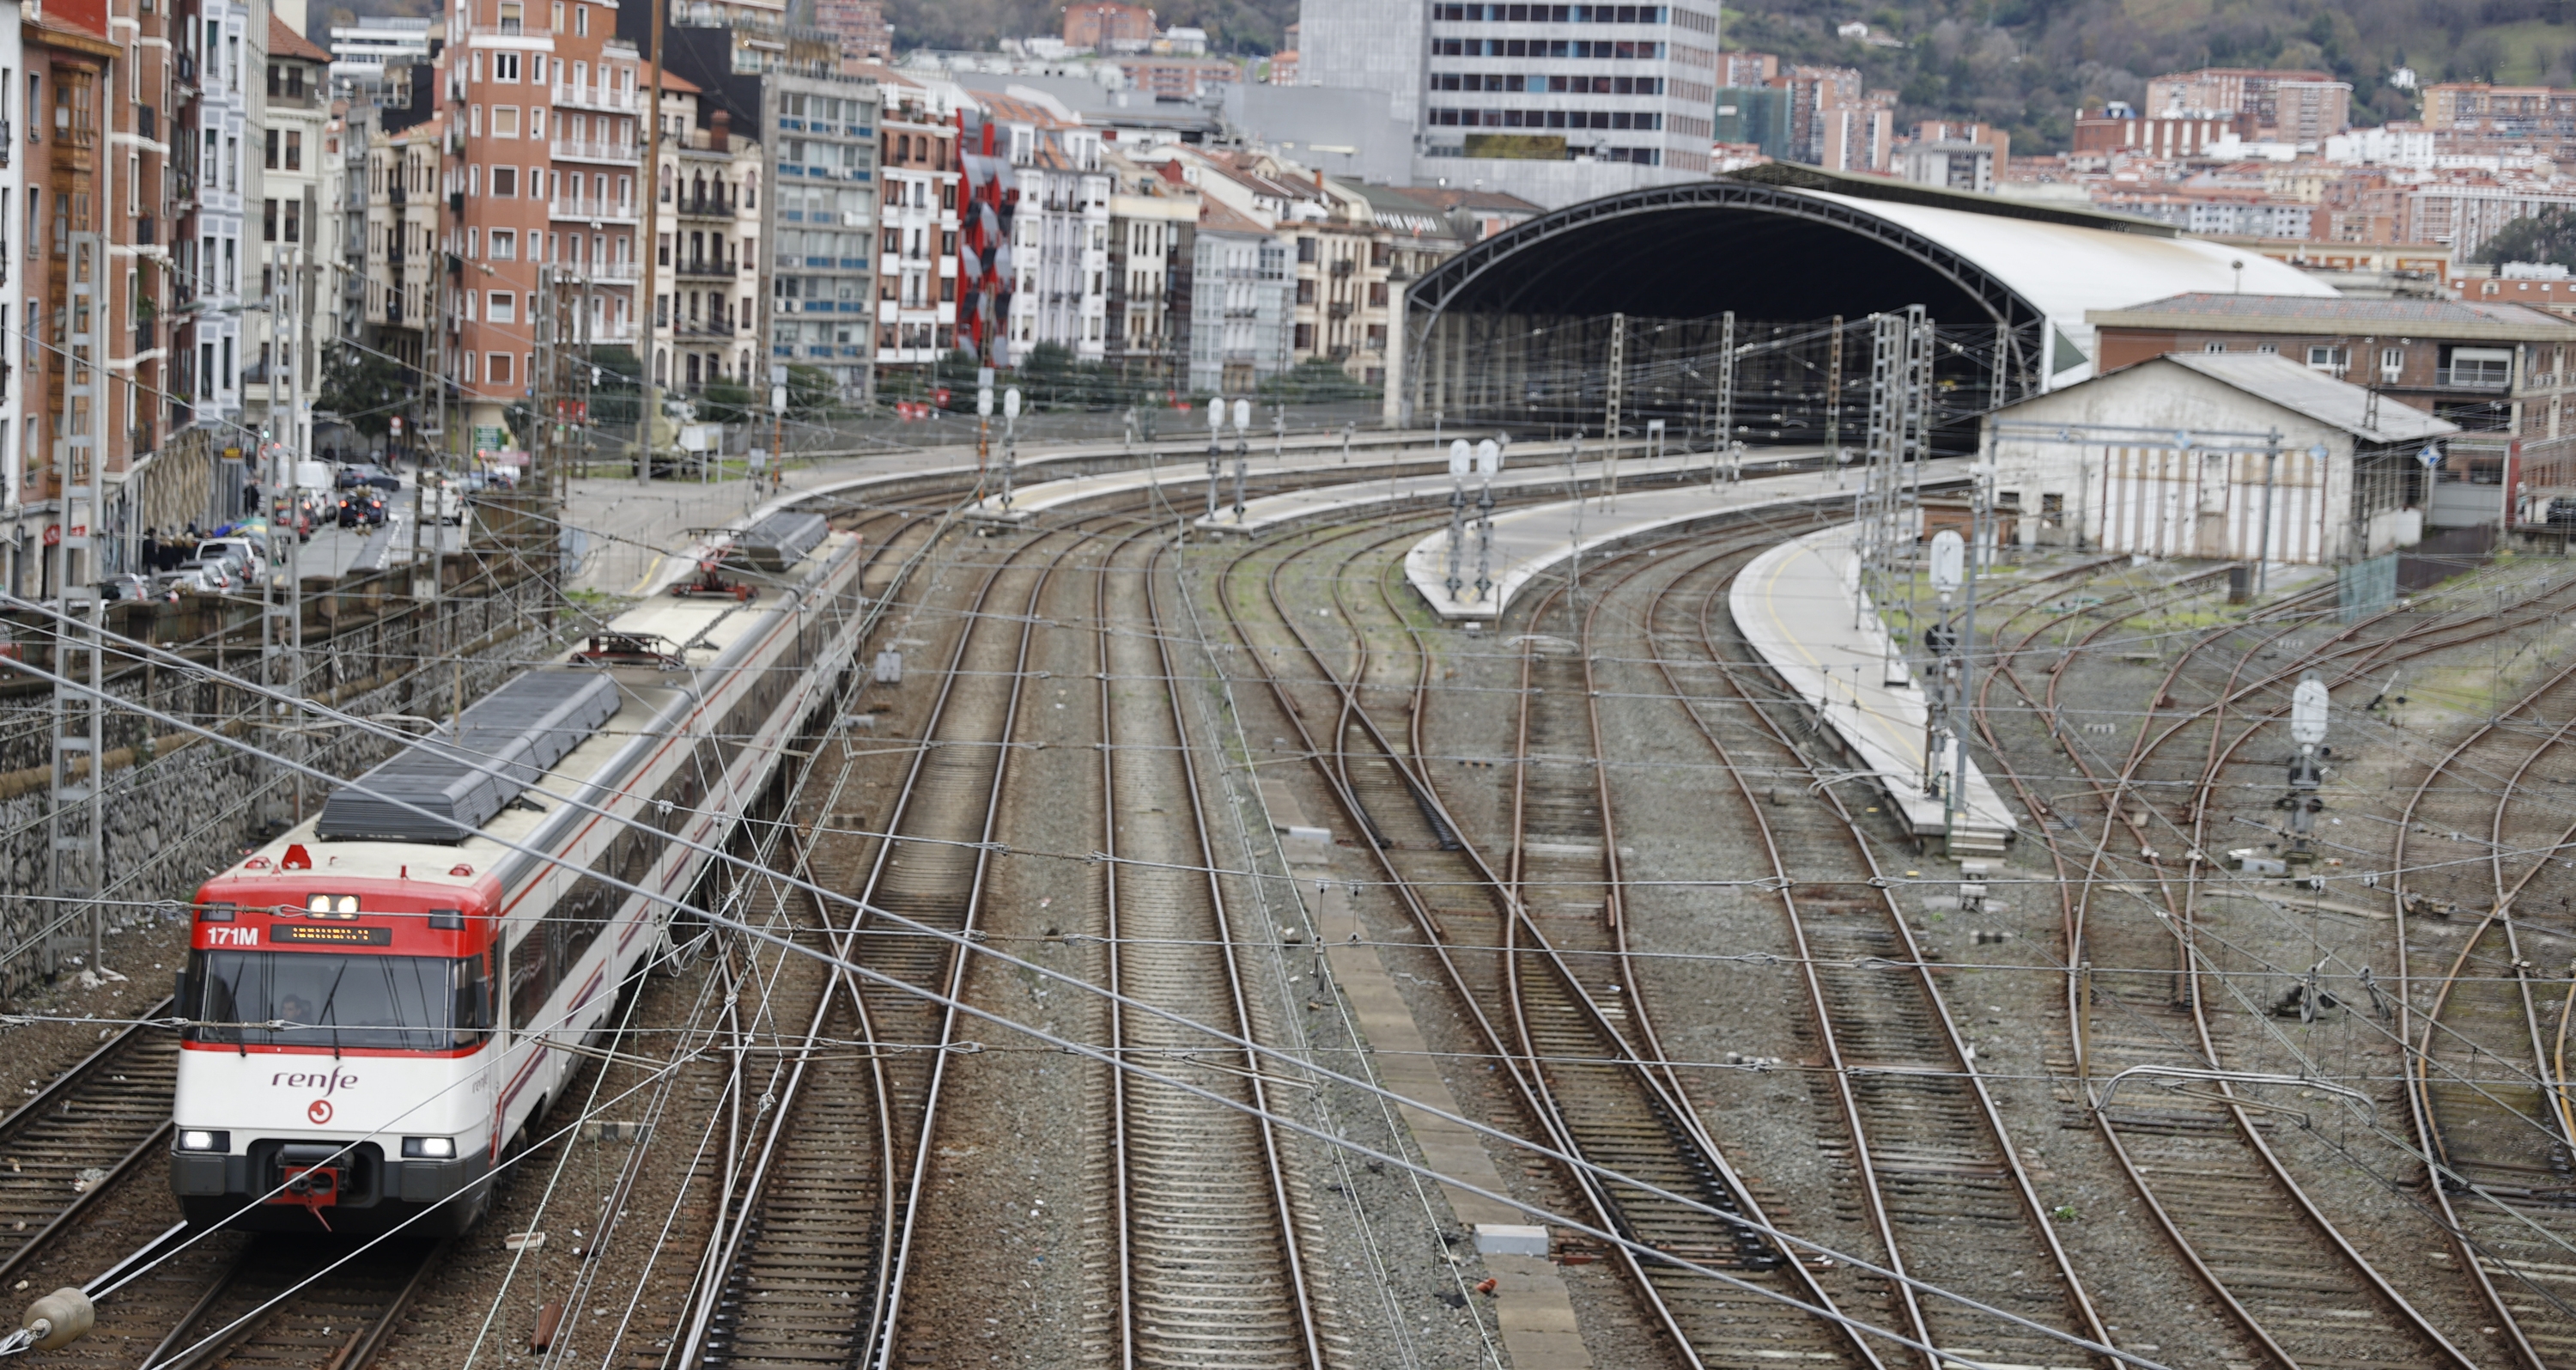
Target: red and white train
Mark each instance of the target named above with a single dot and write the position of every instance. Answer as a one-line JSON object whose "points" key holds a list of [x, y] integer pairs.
{"points": [[388, 1001]]}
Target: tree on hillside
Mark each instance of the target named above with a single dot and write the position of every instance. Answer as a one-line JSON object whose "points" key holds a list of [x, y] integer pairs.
{"points": [[2549, 236]]}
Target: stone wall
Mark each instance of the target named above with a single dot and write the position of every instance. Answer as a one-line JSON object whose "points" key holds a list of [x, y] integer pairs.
{"points": [[179, 807]]}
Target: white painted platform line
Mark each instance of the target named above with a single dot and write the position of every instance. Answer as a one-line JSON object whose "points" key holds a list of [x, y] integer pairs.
{"points": [[1801, 606], [1540, 539], [1535, 468]]}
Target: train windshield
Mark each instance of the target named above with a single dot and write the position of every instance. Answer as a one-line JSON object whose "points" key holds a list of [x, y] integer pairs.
{"points": [[336, 1001]]}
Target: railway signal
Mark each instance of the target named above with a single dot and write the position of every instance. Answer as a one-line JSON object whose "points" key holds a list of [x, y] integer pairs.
{"points": [[2308, 706], [1216, 435]]}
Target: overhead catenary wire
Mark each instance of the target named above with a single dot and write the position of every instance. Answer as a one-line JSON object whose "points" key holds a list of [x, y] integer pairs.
{"points": [[1243, 1044]]}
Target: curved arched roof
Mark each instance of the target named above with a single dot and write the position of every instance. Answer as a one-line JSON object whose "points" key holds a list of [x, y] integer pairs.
{"points": [[1788, 251]]}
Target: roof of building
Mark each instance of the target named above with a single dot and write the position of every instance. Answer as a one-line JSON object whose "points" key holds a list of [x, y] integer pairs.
{"points": [[1448, 197], [673, 83], [286, 42], [1215, 216], [1833, 246], [2293, 314], [1011, 109], [2305, 390]]}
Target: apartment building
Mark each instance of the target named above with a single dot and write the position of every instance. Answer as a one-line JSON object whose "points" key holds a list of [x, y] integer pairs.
{"points": [[363, 53], [1241, 316], [822, 221], [220, 174], [2287, 106], [706, 251], [1060, 252], [298, 252], [917, 227], [404, 290], [1153, 223], [544, 150], [860, 28]]}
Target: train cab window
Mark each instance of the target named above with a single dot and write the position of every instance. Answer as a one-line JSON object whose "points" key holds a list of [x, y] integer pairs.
{"points": [[335, 1001]]}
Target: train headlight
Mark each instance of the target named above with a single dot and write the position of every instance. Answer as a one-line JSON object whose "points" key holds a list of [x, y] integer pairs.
{"points": [[429, 1148], [201, 1139]]}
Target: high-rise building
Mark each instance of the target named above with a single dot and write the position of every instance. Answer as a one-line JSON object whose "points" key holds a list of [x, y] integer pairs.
{"points": [[1374, 46], [1559, 103]]}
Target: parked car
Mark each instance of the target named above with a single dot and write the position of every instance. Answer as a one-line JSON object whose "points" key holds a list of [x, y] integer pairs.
{"points": [[204, 577], [249, 555], [130, 586]]}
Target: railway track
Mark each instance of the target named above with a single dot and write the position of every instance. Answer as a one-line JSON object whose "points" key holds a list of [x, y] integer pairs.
{"points": [[83, 1133], [2203, 1160], [2481, 901], [1933, 1158], [1571, 1062], [1211, 1268], [812, 1266]]}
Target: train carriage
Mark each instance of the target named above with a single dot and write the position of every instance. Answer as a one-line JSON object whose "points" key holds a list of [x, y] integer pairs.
{"points": [[389, 996]]}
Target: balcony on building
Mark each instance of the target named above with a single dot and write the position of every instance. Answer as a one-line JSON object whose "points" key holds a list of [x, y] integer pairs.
{"points": [[715, 267], [569, 96], [593, 150], [597, 211]]}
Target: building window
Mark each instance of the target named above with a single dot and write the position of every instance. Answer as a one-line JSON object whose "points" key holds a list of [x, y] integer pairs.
{"points": [[513, 16], [496, 369], [501, 306], [268, 222], [505, 245], [274, 137], [505, 121], [292, 221], [505, 182], [1305, 337], [2332, 359], [2213, 347], [294, 150], [581, 21], [2392, 364], [505, 67], [2267, 349]]}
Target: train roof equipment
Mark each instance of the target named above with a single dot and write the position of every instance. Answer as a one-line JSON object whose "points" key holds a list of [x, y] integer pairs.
{"points": [[506, 742]]}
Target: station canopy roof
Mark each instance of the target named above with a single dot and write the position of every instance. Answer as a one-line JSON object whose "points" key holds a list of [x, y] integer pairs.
{"points": [[1788, 242]]}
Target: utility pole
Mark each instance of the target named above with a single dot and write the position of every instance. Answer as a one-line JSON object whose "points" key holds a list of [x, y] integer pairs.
{"points": [[649, 303], [1834, 387], [75, 826], [2263, 539], [1618, 384], [1725, 387], [295, 453]]}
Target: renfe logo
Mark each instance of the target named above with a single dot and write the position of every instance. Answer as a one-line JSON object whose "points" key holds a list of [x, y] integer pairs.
{"points": [[329, 1082], [319, 1111]]}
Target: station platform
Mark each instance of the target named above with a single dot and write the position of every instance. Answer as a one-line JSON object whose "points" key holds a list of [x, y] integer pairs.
{"points": [[1535, 466], [1184, 479], [1536, 540], [1802, 607]]}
